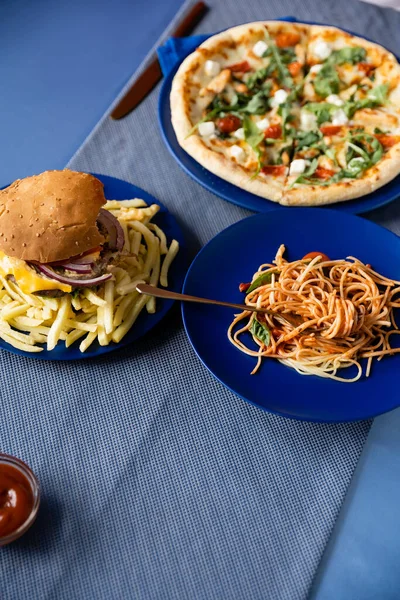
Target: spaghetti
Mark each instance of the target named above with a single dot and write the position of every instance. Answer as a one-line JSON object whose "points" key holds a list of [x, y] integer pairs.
{"points": [[334, 313]]}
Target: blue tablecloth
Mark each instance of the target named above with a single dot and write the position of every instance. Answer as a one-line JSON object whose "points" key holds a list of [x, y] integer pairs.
{"points": [[157, 482]]}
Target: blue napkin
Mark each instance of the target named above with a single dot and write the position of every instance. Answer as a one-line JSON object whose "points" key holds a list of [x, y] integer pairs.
{"points": [[176, 49]]}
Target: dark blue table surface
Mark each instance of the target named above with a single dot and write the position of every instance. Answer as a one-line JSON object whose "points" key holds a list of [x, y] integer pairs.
{"points": [[62, 64]]}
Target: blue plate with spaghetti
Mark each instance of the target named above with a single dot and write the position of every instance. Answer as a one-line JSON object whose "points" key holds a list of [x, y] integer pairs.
{"points": [[232, 257], [117, 189], [237, 195]]}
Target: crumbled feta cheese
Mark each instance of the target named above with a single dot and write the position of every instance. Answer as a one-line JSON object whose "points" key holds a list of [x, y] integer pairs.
{"points": [[236, 152], [339, 117], [259, 48], [212, 68], [315, 68], [334, 99], [263, 124], [206, 129], [297, 166], [279, 97], [308, 121], [239, 133], [322, 50]]}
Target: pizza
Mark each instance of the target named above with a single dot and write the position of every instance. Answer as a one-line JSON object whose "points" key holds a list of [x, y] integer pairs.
{"points": [[298, 114]]}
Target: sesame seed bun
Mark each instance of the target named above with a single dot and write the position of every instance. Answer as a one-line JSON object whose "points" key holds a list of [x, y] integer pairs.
{"points": [[51, 216]]}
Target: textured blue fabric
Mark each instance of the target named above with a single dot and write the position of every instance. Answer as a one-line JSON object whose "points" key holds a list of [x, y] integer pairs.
{"points": [[157, 482]]}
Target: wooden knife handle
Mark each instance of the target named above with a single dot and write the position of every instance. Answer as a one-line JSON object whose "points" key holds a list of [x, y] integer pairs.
{"points": [[190, 20], [152, 74]]}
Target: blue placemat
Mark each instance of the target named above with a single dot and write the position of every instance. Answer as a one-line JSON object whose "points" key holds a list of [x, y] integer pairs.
{"points": [[157, 482]]}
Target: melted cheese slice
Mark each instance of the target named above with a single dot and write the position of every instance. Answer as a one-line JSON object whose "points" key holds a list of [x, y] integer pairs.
{"points": [[27, 279]]}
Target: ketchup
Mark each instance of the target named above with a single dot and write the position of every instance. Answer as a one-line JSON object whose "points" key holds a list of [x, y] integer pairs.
{"points": [[16, 499]]}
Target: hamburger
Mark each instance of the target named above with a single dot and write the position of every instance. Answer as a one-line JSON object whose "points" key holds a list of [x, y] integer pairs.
{"points": [[55, 237]]}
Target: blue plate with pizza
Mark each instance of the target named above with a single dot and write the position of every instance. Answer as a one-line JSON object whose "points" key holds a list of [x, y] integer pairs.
{"points": [[345, 115]]}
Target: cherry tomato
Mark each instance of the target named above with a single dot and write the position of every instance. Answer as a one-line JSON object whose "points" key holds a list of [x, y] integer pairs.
{"points": [[273, 132], [312, 255], [228, 124]]}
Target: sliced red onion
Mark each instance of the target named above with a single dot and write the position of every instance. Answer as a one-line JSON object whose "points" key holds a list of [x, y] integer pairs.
{"points": [[84, 260], [114, 229], [76, 267], [49, 272], [71, 265]]}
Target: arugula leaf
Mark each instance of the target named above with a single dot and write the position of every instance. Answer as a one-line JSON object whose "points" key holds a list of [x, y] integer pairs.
{"points": [[253, 137], [288, 55], [308, 139], [262, 279], [284, 111], [322, 110], [260, 331], [252, 134], [327, 81], [352, 55], [364, 150], [378, 94], [367, 141], [304, 177], [283, 73], [258, 104], [258, 78], [378, 130], [355, 167]]}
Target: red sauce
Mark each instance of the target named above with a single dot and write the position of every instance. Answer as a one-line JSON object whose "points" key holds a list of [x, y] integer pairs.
{"points": [[16, 499]]}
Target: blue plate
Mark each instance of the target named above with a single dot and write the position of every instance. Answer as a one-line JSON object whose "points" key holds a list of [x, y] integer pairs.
{"points": [[232, 257], [241, 197], [116, 189]]}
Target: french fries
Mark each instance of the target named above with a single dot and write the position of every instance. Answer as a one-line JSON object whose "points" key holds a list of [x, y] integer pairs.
{"points": [[105, 313]]}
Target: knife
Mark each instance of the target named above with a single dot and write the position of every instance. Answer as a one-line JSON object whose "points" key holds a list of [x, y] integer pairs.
{"points": [[148, 79]]}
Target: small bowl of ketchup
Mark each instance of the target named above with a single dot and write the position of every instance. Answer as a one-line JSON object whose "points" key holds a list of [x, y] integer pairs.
{"points": [[19, 498]]}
